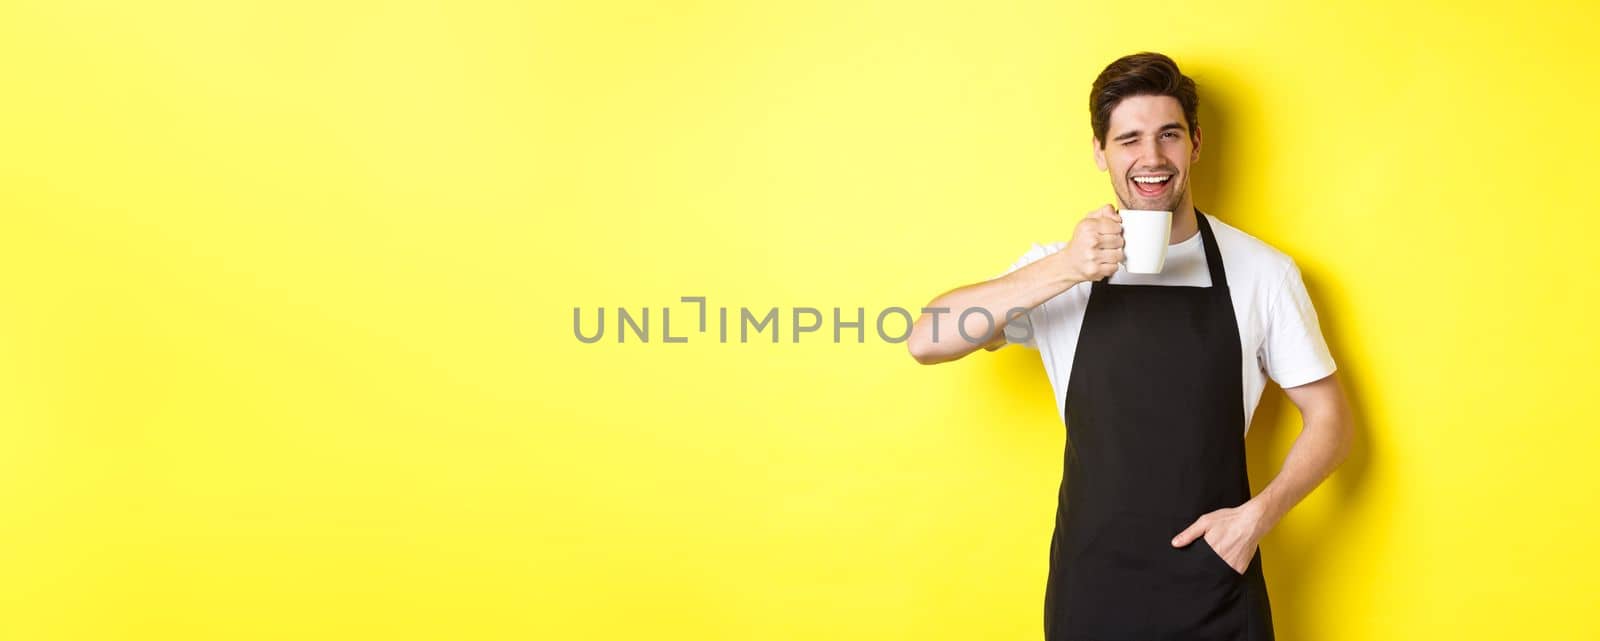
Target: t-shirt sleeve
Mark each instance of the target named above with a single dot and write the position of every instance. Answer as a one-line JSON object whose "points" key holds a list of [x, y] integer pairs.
{"points": [[1294, 352], [1021, 330]]}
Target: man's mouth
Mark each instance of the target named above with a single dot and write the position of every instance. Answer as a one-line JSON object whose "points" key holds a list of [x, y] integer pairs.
{"points": [[1152, 186]]}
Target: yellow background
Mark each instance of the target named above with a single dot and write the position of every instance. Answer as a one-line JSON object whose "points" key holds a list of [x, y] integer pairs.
{"points": [[286, 295]]}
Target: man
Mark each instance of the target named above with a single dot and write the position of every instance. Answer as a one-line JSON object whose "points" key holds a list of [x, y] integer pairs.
{"points": [[1157, 376]]}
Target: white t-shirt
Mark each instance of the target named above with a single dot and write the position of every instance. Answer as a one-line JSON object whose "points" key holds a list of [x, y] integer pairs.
{"points": [[1278, 327]]}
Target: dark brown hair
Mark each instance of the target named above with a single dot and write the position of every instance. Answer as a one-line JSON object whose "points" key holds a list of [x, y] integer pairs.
{"points": [[1141, 74]]}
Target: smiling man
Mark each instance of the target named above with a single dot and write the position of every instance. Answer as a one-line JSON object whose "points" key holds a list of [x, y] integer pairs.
{"points": [[1157, 377]]}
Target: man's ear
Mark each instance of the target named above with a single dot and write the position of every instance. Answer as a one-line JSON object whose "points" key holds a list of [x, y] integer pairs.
{"points": [[1194, 156], [1099, 153]]}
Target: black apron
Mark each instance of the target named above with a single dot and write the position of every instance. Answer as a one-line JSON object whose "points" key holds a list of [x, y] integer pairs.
{"points": [[1155, 438]]}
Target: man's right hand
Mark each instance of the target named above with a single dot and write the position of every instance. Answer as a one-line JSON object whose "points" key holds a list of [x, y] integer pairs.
{"points": [[1096, 245], [1092, 254]]}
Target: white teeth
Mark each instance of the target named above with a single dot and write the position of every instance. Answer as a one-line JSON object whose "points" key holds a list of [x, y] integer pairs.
{"points": [[1151, 179]]}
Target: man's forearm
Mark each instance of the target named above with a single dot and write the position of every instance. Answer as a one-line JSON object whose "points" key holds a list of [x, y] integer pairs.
{"points": [[1321, 447], [944, 334]]}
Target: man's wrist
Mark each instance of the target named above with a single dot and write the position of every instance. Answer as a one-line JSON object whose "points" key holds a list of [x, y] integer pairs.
{"points": [[1062, 274], [1271, 508]]}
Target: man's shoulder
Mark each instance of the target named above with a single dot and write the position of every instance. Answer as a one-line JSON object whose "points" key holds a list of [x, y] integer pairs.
{"points": [[1249, 255]]}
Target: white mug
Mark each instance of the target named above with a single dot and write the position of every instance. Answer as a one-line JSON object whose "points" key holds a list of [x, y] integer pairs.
{"points": [[1145, 234]]}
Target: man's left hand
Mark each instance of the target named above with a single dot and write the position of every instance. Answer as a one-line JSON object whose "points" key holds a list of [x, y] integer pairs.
{"points": [[1232, 531]]}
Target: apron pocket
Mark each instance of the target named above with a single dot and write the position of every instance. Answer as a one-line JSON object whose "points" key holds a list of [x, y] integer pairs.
{"points": [[1216, 559], [1128, 581]]}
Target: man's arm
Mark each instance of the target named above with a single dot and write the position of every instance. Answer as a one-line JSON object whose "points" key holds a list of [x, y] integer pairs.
{"points": [[1321, 446], [1092, 254], [936, 337]]}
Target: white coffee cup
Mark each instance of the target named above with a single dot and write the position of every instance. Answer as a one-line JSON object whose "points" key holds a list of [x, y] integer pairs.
{"points": [[1145, 234]]}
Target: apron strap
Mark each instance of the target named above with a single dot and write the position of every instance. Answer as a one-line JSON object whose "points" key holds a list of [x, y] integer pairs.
{"points": [[1219, 276]]}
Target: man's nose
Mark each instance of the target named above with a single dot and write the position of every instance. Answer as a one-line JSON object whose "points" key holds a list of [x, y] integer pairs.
{"points": [[1150, 154]]}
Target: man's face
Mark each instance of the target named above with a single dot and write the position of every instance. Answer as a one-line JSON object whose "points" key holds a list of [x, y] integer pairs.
{"points": [[1148, 138]]}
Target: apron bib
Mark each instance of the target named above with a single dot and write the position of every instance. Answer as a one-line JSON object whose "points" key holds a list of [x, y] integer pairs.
{"points": [[1155, 438]]}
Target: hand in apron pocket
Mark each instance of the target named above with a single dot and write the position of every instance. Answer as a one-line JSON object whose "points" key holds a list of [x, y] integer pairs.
{"points": [[1215, 556]]}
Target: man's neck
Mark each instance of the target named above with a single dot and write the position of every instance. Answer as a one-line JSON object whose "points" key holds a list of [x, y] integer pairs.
{"points": [[1184, 224]]}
